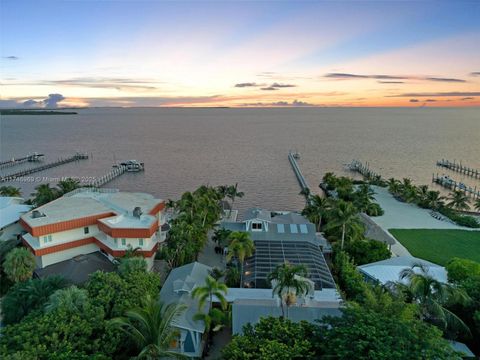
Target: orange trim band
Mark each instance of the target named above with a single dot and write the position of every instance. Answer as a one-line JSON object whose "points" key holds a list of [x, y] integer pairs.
{"points": [[82, 242], [64, 225], [157, 208], [128, 232]]}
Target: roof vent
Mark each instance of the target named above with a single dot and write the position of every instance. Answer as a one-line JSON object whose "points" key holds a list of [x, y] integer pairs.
{"points": [[137, 212], [37, 214]]}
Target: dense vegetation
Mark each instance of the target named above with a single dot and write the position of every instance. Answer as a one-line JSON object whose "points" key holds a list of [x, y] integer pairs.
{"points": [[46, 320], [195, 214], [439, 246], [338, 217], [429, 199]]}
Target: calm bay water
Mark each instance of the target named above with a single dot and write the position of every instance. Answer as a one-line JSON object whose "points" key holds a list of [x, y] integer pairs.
{"points": [[184, 148]]}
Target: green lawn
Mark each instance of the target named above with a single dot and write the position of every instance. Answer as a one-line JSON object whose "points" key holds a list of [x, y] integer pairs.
{"points": [[439, 246]]}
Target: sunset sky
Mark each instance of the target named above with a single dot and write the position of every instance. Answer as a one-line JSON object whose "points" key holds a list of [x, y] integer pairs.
{"points": [[271, 53]]}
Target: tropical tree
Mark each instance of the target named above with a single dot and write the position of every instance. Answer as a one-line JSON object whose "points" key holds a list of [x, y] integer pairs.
{"points": [[10, 191], [458, 200], [342, 215], [44, 194], [132, 264], [28, 296], [289, 282], [233, 193], [364, 334], [241, 246], [221, 236], [19, 264], [151, 328], [316, 209], [67, 185], [432, 296], [477, 204], [433, 200], [394, 186], [206, 292], [5, 247], [71, 299], [216, 273], [213, 318]]}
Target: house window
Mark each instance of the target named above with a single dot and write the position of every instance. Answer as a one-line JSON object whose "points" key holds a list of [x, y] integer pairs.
{"points": [[86, 230], [256, 226], [293, 228], [140, 242], [115, 241], [281, 228], [303, 228], [47, 238], [124, 242]]}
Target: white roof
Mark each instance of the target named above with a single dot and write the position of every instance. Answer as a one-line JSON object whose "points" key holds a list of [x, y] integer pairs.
{"points": [[87, 202], [390, 269], [235, 294], [11, 208]]}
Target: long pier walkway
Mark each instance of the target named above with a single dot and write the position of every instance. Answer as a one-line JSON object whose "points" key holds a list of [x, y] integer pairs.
{"points": [[458, 167], [11, 177], [451, 184], [292, 157], [116, 172], [20, 160]]}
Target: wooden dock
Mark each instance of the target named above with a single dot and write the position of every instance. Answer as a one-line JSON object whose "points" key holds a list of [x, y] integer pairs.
{"points": [[296, 169], [20, 160], [458, 167], [116, 172], [451, 184], [364, 170], [11, 177]]}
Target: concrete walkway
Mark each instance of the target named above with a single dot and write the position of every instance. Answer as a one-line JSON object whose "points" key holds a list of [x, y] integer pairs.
{"points": [[400, 215]]}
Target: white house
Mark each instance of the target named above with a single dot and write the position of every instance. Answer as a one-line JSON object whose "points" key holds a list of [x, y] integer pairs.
{"points": [[11, 208], [89, 220]]}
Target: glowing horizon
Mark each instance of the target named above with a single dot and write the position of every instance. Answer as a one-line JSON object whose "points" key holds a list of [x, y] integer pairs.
{"points": [[260, 54]]}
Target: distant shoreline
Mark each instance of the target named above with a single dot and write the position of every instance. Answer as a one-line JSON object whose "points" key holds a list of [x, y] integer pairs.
{"points": [[35, 112]]}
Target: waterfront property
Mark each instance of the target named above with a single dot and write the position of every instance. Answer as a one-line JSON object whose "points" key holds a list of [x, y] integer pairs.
{"points": [[389, 270], [248, 306], [177, 289], [88, 220], [281, 237], [11, 208]]}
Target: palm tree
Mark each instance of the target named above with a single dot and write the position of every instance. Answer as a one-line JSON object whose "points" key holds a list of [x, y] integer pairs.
{"points": [[151, 327], [211, 288], [44, 194], [363, 197], [432, 295], [71, 299], [289, 283], [19, 264], [477, 204], [221, 236], [67, 185], [212, 316], [132, 264], [342, 215], [320, 207], [10, 191], [232, 194], [394, 186], [458, 200], [39, 290], [241, 246], [433, 200], [214, 319]]}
